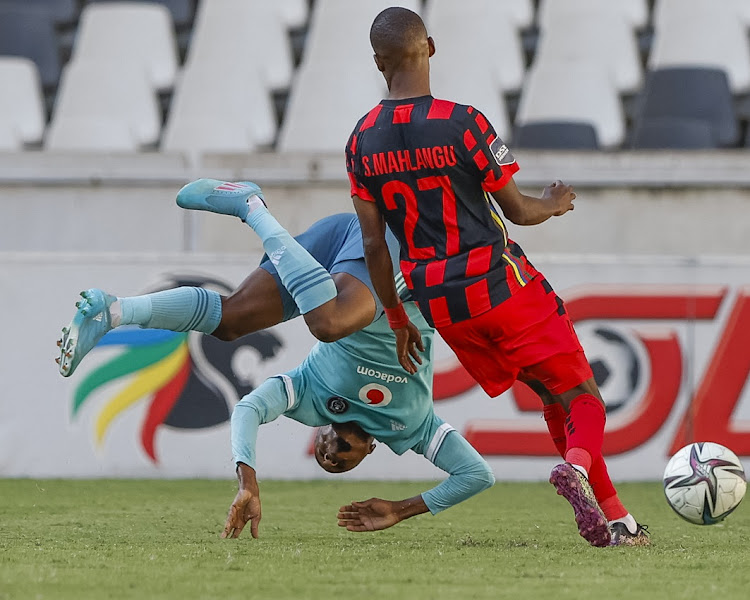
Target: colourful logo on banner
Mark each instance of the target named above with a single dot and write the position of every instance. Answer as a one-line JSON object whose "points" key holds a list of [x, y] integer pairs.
{"points": [[188, 379]]}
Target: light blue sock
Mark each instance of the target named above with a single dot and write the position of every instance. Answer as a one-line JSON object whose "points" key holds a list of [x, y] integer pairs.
{"points": [[180, 309], [306, 280]]}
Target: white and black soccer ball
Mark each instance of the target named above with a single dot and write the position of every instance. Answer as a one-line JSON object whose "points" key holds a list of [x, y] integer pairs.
{"points": [[704, 482], [615, 364]]}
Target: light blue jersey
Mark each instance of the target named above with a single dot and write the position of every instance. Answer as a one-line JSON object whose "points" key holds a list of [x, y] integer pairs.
{"points": [[359, 379]]}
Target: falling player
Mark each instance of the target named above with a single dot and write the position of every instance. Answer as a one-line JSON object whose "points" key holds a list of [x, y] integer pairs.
{"points": [[350, 387], [427, 168]]}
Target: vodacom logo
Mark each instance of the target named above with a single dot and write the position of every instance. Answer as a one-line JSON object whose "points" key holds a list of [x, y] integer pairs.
{"points": [[709, 413]]}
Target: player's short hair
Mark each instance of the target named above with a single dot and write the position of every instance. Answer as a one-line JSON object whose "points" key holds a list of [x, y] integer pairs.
{"points": [[396, 30]]}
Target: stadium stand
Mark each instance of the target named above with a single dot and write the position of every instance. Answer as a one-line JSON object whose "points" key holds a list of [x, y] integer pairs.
{"points": [[22, 112], [88, 91], [130, 35], [602, 37], [634, 12], [556, 136], [292, 75], [672, 132], [582, 93], [30, 33], [691, 93]]}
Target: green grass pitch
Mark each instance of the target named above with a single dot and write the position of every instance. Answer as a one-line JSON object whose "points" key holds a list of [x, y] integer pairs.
{"points": [[160, 539]]}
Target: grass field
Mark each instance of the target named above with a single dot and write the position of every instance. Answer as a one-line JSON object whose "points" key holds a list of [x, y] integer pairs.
{"points": [[160, 539]]}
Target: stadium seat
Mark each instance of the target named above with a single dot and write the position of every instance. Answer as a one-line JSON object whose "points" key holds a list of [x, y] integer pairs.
{"points": [[90, 134], [250, 36], [201, 119], [31, 33], [634, 12], [556, 136], [61, 11], [676, 133], [519, 13], [691, 93], [97, 92], [495, 43], [463, 85], [130, 35], [22, 112], [293, 13], [705, 38], [599, 36], [324, 107], [182, 10], [339, 33], [665, 10], [580, 93]]}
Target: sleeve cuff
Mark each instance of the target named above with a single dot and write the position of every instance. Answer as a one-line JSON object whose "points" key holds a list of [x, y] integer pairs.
{"points": [[492, 184]]}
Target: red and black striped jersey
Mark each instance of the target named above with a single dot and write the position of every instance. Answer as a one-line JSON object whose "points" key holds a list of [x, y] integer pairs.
{"points": [[429, 164]]}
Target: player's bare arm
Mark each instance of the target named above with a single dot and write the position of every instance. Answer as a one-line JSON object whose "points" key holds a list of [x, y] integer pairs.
{"points": [[246, 505], [556, 200], [378, 259], [376, 514]]}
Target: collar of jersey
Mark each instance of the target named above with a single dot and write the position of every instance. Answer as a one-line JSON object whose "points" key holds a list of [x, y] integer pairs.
{"points": [[406, 101]]}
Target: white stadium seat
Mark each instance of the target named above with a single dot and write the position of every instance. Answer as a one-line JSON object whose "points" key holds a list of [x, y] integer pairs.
{"points": [[96, 91], [339, 33], [580, 92], [494, 49], [129, 35], [704, 38], [665, 10], [250, 37], [599, 36], [633, 12], [324, 107], [89, 134], [293, 12], [519, 13], [229, 113], [22, 111]]}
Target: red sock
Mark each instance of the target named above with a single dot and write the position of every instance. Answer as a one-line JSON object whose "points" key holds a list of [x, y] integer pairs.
{"points": [[584, 427], [554, 415], [604, 491]]}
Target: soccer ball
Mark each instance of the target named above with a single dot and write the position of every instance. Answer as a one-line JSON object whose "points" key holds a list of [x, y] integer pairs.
{"points": [[704, 482]]}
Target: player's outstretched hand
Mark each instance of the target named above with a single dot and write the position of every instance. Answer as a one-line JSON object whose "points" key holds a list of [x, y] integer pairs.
{"points": [[246, 507], [371, 515], [561, 196], [408, 343]]}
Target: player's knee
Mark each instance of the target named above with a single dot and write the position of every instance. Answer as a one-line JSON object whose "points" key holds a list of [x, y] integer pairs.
{"points": [[484, 476], [324, 327]]}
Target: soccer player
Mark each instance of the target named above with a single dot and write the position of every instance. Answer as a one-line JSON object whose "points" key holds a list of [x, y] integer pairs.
{"points": [[353, 389], [429, 168], [350, 387]]}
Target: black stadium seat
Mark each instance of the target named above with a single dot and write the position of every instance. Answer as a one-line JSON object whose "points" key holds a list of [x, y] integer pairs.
{"points": [[61, 11], [31, 33], [552, 135], [672, 132], [691, 93]]}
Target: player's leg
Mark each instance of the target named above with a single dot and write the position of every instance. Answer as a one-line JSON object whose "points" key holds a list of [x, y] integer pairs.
{"points": [[333, 306]]}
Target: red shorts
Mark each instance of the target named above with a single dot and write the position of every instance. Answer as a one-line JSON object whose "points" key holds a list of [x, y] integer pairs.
{"points": [[526, 337]]}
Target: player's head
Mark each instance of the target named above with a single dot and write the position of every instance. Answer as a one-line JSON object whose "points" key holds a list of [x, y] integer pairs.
{"points": [[342, 446], [400, 41]]}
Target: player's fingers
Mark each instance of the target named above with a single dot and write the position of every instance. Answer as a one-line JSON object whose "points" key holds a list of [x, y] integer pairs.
{"points": [[228, 526], [238, 530], [415, 354], [254, 527], [358, 527], [347, 516], [408, 366], [420, 344], [347, 508]]}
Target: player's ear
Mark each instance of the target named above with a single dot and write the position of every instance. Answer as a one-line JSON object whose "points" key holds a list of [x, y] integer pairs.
{"points": [[378, 63], [431, 44], [372, 447]]}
